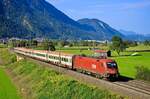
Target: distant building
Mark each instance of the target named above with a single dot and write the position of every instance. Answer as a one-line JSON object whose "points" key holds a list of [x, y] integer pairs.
{"points": [[4, 40], [102, 53], [98, 41]]}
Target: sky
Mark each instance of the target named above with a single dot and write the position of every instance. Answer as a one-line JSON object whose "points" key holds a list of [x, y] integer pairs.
{"points": [[130, 15]]}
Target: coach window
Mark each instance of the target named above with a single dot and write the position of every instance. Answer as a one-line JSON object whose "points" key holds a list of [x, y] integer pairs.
{"points": [[57, 58], [62, 59], [66, 60]]}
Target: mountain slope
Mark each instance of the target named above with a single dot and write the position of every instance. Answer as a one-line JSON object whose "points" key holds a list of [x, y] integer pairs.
{"points": [[102, 29], [38, 18], [130, 35]]}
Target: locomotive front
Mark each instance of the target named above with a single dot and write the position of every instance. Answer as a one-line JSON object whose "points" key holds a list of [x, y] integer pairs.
{"points": [[111, 68]]}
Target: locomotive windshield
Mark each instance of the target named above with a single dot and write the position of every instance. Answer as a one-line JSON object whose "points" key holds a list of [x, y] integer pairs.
{"points": [[111, 65]]}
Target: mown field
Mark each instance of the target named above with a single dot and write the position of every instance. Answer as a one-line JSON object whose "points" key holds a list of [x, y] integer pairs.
{"points": [[38, 82], [127, 64], [139, 47]]}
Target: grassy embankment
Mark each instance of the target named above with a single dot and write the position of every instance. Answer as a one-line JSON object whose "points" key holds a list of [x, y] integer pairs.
{"points": [[7, 88], [127, 63], [38, 82]]}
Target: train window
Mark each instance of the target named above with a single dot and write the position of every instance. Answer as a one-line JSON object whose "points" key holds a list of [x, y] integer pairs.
{"points": [[111, 65], [50, 57], [38, 54], [57, 58], [62, 59], [65, 59]]}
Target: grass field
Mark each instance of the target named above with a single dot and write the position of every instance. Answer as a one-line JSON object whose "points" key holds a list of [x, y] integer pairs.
{"points": [[3, 46], [127, 64], [7, 89], [139, 47]]}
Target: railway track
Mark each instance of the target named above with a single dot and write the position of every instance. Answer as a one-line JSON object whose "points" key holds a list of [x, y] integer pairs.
{"points": [[136, 86], [132, 88]]}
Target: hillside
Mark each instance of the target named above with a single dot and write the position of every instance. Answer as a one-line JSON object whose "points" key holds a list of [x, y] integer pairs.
{"points": [[39, 19], [102, 29], [130, 35]]}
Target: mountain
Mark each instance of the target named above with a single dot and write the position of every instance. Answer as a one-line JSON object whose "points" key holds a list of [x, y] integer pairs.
{"points": [[39, 19], [130, 35], [101, 29]]}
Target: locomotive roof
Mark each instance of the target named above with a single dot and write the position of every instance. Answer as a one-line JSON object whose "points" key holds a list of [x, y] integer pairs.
{"points": [[95, 58]]}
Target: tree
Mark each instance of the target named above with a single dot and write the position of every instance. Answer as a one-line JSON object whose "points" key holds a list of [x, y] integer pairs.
{"points": [[146, 43], [48, 45], [117, 44], [130, 43]]}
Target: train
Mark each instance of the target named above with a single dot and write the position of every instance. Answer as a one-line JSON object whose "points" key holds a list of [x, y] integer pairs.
{"points": [[101, 68]]}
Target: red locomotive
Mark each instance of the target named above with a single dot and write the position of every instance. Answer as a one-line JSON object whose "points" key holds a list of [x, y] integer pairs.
{"points": [[102, 68]]}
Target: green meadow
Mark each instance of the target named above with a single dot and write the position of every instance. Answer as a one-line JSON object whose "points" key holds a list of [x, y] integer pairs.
{"points": [[127, 63]]}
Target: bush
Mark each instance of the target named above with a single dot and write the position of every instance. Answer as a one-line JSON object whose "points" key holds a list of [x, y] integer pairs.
{"points": [[6, 57], [3, 46], [143, 73]]}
